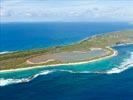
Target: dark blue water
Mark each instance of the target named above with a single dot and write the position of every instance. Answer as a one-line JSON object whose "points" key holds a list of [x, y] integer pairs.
{"points": [[65, 86], [73, 82], [22, 36]]}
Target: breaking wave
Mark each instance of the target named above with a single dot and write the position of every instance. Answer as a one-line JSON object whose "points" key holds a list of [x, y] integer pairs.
{"points": [[126, 64], [4, 82], [4, 52]]}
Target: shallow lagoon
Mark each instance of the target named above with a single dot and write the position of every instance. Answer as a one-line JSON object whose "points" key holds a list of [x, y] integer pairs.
{"points": [[75, 82], [124, 57], [94, 81]]}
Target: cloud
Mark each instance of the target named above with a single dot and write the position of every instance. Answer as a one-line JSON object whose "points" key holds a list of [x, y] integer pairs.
{"points": [[49, 10]]}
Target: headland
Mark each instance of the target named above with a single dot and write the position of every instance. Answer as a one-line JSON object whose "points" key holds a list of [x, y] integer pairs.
{"points": [[88, 50]]}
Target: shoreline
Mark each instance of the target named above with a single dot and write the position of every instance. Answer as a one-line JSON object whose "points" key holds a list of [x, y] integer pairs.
{"points": [[115, 53]]}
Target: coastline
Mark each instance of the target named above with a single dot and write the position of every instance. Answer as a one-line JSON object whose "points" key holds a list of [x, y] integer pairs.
{"points": [[115, 53], [17, 61]]}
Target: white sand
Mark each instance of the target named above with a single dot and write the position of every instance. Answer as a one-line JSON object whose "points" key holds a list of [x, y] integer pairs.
{"points": [[75, 63]]}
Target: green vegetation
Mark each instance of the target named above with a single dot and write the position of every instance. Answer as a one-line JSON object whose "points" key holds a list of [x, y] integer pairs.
{"points": [[18, 59]]}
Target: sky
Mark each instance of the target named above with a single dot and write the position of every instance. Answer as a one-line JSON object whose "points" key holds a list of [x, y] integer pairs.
{"points": [[66, 10]]}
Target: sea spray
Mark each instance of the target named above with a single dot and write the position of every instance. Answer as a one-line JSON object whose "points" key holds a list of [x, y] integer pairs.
{"points": [[5, 52], [4, 82], [126, 64]]}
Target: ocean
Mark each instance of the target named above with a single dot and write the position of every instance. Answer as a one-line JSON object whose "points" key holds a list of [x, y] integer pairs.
{"points": [[108, 79], [23, 36]]}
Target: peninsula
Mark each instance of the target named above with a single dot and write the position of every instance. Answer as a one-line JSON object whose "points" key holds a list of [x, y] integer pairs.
{"points": [[88, 50]]}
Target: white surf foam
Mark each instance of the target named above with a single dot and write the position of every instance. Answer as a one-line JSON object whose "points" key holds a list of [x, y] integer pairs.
{"points": [[4, 82], [4, 52], [82, 72], [126, 64]]}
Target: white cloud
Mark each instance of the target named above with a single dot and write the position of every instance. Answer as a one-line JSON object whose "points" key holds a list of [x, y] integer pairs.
{"points": [[67, 10]]}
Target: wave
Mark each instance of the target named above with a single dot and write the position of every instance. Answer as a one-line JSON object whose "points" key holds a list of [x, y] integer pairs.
{"points": [[120, 69], [4, 82], [82, 72], [4, 52], [126, 64]]}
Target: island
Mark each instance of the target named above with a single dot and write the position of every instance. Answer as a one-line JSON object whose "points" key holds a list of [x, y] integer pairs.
{"points": [[88, 50]]}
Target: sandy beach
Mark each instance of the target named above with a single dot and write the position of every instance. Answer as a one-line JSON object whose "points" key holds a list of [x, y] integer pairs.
{"points": [[115, 53]]}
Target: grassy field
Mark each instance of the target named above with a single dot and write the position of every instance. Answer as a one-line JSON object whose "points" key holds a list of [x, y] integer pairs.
{"points": [[18, 59]]}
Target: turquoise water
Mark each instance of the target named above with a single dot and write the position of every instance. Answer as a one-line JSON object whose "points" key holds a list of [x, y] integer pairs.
{"points": [[98, 80], [108, 79], [124, 57]]}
